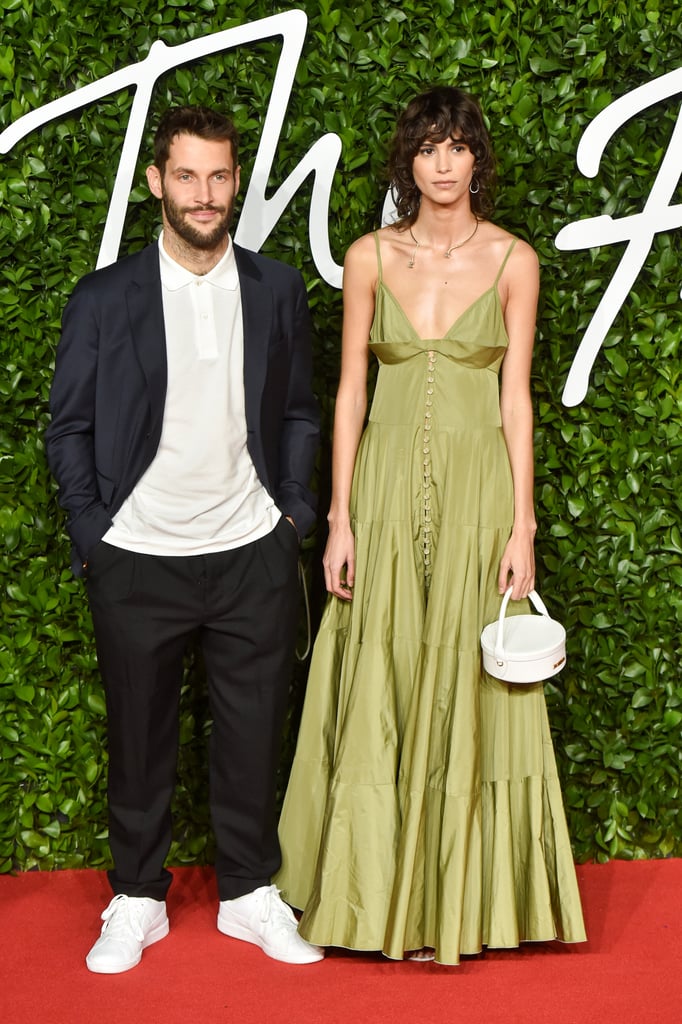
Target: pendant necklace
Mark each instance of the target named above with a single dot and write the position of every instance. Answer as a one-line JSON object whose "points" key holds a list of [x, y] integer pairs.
{"points": [[448, 252]]}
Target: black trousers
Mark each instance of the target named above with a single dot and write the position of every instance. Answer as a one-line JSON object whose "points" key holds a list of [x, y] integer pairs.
{"points": [[242, 606]]}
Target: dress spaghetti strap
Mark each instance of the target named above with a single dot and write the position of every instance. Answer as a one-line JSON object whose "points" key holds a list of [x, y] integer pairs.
{"points": [[504, 261], [376, 242]]}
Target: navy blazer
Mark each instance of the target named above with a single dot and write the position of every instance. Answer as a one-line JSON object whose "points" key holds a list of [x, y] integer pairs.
{"points": [[108, 394]]}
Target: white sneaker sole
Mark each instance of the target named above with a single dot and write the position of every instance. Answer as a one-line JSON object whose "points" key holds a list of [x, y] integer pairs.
{"points": [[235, 930], [160, 931]]}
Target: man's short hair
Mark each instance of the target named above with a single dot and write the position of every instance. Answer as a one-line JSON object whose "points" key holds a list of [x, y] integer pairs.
{"points": [[200, 121]]}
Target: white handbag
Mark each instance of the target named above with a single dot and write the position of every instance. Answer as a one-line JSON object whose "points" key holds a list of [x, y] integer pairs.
{"points": [[524, 648]]}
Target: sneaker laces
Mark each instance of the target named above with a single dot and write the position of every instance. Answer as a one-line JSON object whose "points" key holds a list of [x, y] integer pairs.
{"points": [[276, 912], [120, 916]]}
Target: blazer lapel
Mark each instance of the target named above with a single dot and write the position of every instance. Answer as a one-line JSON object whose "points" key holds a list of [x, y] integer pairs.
{"points": [[145, 312], [257, 320]]}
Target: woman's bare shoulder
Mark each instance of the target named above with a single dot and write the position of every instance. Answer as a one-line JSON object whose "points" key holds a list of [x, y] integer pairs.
{"points": [[523, 253], [362, 249], [361, 265]]}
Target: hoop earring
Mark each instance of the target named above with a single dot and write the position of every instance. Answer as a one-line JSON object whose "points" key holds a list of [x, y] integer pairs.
{"points": [[474, 191]]}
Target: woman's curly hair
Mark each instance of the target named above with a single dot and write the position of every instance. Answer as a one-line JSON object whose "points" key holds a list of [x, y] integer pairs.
{"points": [[441, 113]]}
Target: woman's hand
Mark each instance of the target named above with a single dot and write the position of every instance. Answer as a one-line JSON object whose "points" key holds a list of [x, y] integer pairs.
{"points": [[339, 561], [517, 567]]}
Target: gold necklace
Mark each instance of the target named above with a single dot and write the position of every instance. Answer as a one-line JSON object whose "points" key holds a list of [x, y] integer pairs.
{"points": [[447, 253]]}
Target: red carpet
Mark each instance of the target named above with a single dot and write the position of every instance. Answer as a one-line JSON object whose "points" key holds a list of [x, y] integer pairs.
{"points": [[630, 970]]}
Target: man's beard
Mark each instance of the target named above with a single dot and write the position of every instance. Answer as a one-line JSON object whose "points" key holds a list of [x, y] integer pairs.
{"points": [[192, 235]]}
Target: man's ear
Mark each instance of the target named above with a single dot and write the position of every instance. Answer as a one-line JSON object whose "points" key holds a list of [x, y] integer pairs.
{"points": [[154, 181]]}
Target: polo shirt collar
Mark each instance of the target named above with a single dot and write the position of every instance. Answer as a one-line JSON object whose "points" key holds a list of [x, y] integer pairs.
{"points": [[223, 275]]}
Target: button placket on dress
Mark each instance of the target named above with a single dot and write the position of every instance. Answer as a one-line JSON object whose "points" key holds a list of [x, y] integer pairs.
{"points": [[426, 449]]}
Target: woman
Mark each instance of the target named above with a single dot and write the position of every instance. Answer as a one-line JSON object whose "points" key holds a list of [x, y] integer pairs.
{"points": [[424, 816]]}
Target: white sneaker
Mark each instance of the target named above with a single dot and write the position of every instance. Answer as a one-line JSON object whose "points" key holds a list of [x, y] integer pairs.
{"points": [[131, 923], [263, 918]]}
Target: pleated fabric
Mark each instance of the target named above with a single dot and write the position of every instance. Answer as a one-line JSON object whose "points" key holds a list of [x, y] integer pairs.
{"points": [[423, 807]]}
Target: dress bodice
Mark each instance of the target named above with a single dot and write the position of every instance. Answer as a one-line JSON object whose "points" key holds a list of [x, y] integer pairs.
{"points": [[457, 375], [477, 338]]}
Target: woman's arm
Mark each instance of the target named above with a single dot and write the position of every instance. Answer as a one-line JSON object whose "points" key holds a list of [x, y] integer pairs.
{"points": [[359, 290], [521, 282]]}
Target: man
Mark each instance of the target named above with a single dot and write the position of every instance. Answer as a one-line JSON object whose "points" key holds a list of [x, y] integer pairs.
{"points": [[183, 436]]}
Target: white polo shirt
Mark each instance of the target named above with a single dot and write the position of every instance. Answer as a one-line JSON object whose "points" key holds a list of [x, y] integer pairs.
{"points": [[201, 493]]}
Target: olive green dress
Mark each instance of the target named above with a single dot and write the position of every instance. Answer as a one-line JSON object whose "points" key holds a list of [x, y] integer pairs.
{"points": [[423, 807]]}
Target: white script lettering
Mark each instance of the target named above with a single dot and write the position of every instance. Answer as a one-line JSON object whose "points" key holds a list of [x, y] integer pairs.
{"points": [[637, 230], [259, 214]]}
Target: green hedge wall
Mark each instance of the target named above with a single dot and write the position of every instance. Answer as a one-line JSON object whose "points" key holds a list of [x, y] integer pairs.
{"points": [[608, 471]]}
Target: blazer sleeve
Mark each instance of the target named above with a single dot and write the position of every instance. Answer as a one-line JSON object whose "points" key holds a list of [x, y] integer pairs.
{"points": [[300, 433], [70, 437]]}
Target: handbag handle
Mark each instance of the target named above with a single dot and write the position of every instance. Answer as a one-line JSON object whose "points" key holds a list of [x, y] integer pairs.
{"points": [[535, 600]]}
